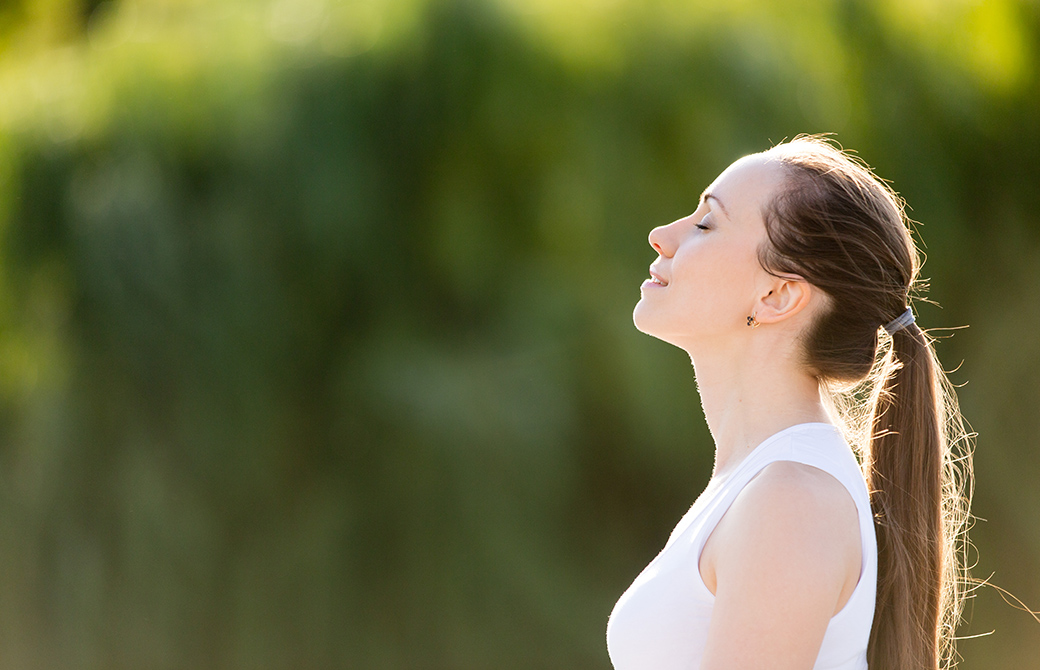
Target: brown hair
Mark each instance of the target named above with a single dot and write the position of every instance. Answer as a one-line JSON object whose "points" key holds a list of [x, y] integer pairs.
{"points": [[843, 230]]}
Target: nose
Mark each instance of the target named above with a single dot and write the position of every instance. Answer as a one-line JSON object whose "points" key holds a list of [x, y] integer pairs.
{"points": [[662, 239]]}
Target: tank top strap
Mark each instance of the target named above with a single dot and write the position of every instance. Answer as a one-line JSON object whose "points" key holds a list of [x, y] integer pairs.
{"points": [[819, 445]]}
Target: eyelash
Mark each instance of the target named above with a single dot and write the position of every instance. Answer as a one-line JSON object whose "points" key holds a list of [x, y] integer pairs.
{"points": [[703, 227]]}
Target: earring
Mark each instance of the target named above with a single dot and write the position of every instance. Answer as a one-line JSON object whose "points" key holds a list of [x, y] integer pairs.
{"points": [[751, 321]]}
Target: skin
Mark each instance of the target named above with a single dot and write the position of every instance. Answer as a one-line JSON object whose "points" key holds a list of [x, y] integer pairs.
{"points": [[786, 556]]}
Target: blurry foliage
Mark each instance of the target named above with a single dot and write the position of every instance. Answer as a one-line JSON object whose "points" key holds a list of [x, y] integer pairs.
{"points": [[315, 347]]}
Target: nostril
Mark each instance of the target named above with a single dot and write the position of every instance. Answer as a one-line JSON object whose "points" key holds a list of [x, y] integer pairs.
{"points": [[655, 245], [660, 239]]}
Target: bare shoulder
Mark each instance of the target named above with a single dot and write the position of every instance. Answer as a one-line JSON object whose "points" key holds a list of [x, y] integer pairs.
{"points": [[791, 520], [783, 560], [798, 493]]}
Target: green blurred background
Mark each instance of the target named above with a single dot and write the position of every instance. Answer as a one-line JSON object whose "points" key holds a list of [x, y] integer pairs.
{"points": [[315, 337]]}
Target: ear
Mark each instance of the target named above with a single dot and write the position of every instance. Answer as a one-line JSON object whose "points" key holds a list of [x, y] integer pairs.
{"points": [[786, 296]]}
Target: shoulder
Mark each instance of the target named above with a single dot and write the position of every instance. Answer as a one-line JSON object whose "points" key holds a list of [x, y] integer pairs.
{"points": [[792, 520], [797, 494], [782, 561]]}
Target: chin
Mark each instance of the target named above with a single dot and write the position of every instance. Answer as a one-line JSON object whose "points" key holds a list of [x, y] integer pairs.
{"points": [[643, 319], [646, 321], [639, 317]]}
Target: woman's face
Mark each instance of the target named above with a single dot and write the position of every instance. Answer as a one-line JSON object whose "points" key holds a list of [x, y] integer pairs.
{"points": [[707, 278]]}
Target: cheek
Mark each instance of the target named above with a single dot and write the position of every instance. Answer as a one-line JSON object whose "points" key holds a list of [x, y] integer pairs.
{"points": [[723, 270], [724, 284]]}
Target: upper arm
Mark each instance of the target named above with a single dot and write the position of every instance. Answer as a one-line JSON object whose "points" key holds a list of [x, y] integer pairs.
{"points": [[782, 561]]}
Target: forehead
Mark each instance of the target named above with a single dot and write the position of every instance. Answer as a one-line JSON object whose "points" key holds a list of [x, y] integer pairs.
{"points": [[748, 184]]}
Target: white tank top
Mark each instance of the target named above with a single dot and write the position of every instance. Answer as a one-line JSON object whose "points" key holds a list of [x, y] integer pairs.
{"points": [[661, 621]]}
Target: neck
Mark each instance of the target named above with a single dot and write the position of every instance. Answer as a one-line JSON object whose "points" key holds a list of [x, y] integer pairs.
{"points": [[751, 394]]}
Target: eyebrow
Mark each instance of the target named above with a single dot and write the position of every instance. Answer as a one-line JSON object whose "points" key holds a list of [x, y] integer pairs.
{"points": [[707, 194]]}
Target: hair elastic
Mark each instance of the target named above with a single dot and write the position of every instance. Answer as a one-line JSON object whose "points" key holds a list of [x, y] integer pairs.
{"points": [[900, 322]]}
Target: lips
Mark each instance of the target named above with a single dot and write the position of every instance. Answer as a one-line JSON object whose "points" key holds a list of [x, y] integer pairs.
{"points": [[657, 279]]}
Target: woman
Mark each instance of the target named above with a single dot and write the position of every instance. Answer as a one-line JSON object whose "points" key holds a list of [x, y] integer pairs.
{"points": [[788, 287]]}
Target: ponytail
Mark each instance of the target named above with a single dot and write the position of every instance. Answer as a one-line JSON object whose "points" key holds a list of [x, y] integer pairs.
{"points": [[915, 482], [843, 230]]}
